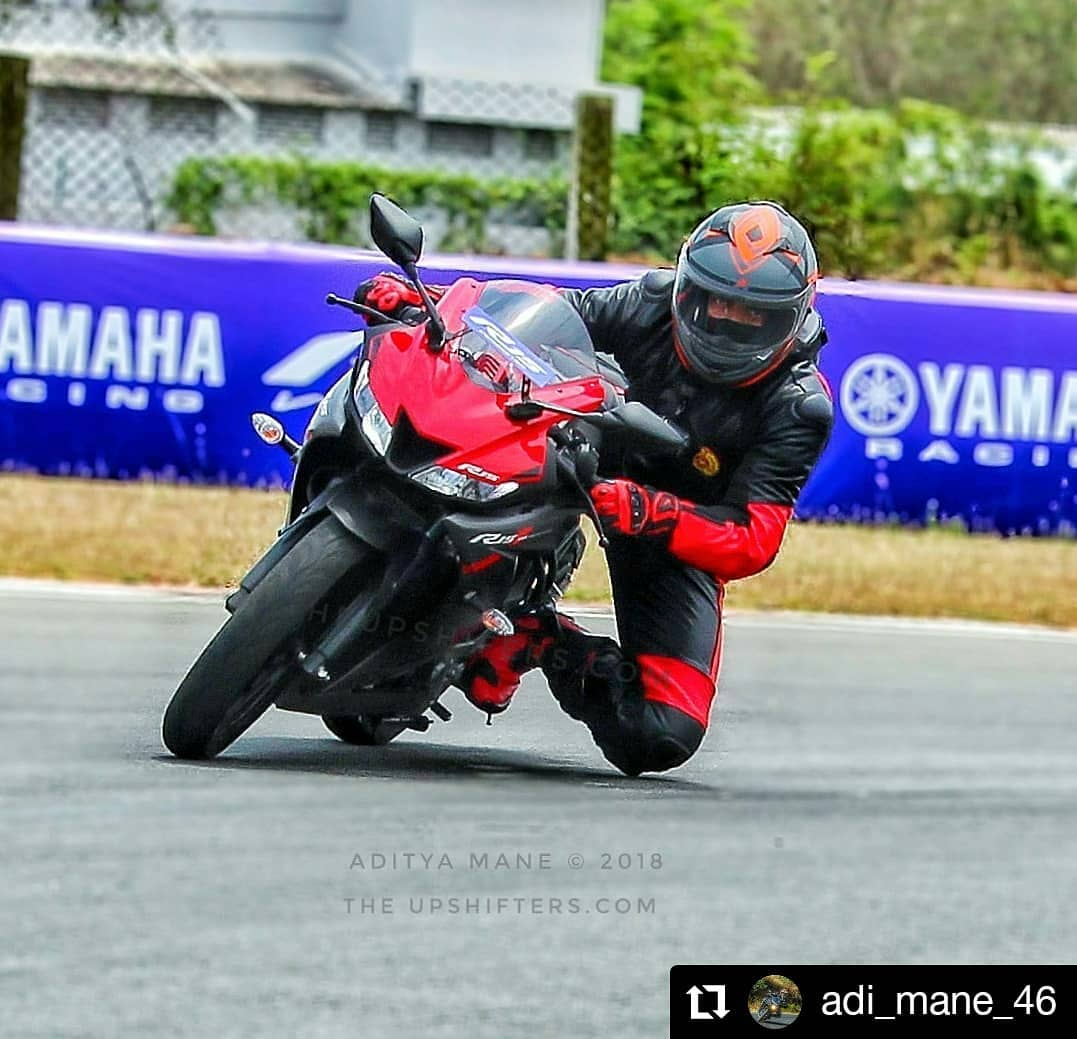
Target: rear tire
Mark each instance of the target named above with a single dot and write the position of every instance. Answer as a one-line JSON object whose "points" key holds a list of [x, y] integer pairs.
{"points": [[363, 732], [240, 672]]}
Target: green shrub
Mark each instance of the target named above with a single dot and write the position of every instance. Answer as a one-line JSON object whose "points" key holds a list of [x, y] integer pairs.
{"points": [[844, 175], [333, 196], [915, 192]]}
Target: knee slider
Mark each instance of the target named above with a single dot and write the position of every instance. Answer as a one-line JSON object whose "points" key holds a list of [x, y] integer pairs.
{"points": [[650, 737]]}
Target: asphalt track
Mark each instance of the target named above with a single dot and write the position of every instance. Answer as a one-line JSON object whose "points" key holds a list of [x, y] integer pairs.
{"points": [[776, 1024], [897, 792]]}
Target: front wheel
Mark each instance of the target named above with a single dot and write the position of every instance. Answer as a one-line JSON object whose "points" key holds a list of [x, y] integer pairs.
{"points": [[363, 732], [247, 663]]}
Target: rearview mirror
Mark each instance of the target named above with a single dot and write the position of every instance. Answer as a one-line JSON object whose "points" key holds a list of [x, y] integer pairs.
{"points": [[395, 233]]}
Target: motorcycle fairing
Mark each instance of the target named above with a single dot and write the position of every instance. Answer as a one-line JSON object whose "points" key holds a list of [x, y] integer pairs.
{"points": [[445, 406]]}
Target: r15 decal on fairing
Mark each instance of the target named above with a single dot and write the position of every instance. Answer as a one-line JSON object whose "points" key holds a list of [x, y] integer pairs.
{"points": [[475, 470], [509, 347], [503, 539]]}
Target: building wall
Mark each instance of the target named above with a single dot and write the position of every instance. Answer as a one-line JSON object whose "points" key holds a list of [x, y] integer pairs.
{"points": [[106, 155], [368, 39], [511, 40], [271, 28], [555, 41], [408, 52]]}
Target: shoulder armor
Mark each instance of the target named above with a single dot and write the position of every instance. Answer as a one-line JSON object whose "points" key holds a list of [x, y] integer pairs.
{"points": [[657, 285], [814, 407]]}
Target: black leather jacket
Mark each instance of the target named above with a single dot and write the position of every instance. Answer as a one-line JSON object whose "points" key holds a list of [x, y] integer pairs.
{"points": [[752, 449]]}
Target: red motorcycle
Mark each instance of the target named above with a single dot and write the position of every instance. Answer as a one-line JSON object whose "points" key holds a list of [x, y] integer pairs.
{"points": [[437, 495]]}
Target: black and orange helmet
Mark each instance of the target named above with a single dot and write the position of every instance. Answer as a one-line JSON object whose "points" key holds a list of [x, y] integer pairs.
{"points": [[744, 287]]}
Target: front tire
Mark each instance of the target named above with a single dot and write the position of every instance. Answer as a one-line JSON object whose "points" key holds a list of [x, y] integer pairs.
{"points": [[240, 672]]}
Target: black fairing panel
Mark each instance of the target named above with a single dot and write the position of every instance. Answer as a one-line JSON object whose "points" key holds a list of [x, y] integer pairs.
{"points": [[374, 514], [332, 444], [331, 415], [531, 529]]}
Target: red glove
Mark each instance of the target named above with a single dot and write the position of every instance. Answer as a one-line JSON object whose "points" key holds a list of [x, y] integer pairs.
{"points": [[386, 292], [627, 508]]}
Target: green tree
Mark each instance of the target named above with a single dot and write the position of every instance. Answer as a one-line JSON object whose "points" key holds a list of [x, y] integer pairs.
{"points": [[691, 61], [690, 58], [994, 59]]}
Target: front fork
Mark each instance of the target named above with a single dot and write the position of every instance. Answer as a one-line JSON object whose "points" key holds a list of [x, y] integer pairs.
{"points": [[414, 624]]}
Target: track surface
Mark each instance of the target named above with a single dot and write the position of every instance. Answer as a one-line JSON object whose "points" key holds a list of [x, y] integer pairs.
{"points": [[898, 792]]}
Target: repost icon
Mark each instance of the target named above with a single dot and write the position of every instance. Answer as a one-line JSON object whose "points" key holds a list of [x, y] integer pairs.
{"points": [[708, 1002]]}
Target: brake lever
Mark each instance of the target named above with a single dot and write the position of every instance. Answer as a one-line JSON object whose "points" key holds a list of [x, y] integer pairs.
{"points": [[356, 308], [361, 309]]}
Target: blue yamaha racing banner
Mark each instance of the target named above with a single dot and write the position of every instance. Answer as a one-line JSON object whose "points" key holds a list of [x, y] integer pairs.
{"points": [[125, 361], [950, 403], [131, 357]]}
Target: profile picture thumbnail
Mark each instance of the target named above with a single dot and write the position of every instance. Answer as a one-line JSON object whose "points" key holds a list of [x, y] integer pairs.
{"points": [[774, 1001]]}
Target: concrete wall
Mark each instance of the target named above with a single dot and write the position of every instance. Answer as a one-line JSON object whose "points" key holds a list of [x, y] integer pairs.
{"points": [[513, 40]]}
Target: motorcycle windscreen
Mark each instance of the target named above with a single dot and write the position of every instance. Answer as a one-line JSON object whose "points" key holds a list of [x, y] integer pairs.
{"points": [[532, 330]]}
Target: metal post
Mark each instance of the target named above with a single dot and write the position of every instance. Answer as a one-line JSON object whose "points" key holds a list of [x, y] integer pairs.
{"points": [[14, 90], [592, 171]]}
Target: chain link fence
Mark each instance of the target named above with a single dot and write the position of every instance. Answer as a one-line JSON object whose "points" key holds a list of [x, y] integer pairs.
{"points": [[148, 122]]}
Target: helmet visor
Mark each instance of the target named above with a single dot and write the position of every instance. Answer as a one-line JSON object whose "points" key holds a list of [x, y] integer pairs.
{"points": [[730, 322], [725, 339]]}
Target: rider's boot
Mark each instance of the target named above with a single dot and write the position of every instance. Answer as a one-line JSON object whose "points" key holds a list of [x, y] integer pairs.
{"points": [[493, 674]]}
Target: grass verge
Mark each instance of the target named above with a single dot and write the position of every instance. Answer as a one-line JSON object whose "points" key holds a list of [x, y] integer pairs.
{"points": [[155, 534]]}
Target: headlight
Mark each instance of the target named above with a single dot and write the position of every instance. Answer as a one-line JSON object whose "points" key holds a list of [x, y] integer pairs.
{"points": [[457, 485], [362, 392], [376, 427], [377, 430]]}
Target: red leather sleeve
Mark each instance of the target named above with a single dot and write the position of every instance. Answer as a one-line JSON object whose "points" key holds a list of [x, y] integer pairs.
{"points": [[729, 550], [741, 535]]}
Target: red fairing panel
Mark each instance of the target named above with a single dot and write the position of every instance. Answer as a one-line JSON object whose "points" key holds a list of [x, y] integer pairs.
{"points": [[730, 551], [447, 407]]}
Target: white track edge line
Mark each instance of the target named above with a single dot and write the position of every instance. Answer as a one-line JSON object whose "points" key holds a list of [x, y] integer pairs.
{"points": [[788, 619]]}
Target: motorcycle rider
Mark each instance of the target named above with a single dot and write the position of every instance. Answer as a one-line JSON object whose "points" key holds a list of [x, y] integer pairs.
{"points": [[725, 347], [772, 1003]]}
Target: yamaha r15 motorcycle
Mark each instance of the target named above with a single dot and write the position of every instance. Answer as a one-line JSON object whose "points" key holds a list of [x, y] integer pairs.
{"points": [[772, 1007], [438, 494]]}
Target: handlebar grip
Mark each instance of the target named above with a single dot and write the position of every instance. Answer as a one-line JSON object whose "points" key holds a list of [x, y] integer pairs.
{"points": [[587, 468]]}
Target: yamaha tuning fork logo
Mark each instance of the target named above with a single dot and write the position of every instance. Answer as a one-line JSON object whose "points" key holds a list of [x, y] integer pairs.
{"points": [[946, 412], [879, 395]]}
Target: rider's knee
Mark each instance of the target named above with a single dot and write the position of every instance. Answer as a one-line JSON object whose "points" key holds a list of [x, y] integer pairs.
{"points": [[658, 738], [670, 735]]}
